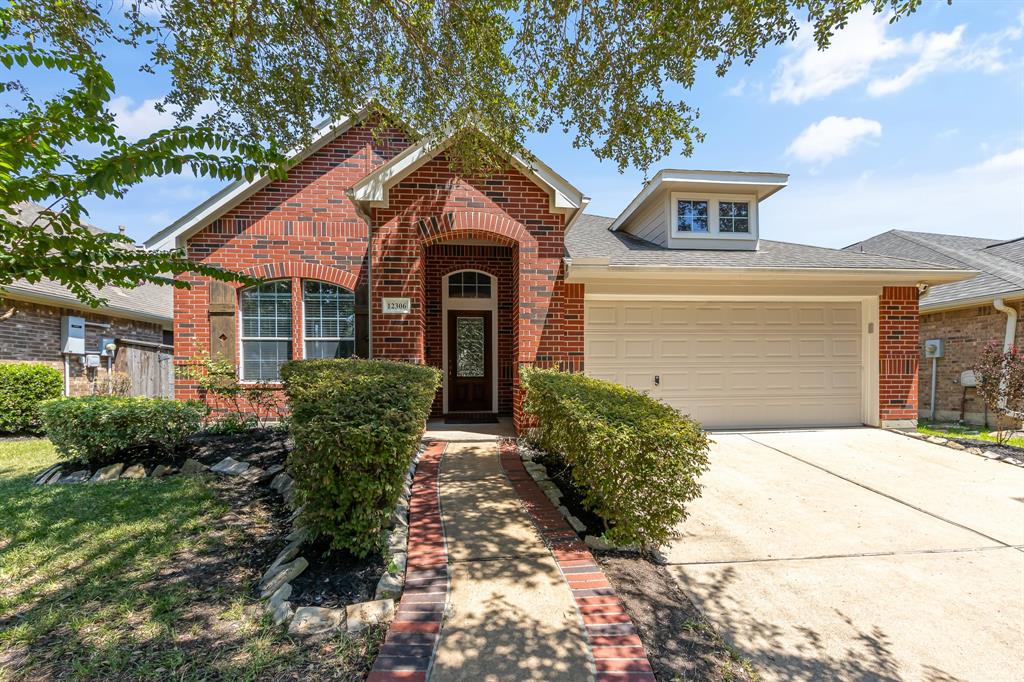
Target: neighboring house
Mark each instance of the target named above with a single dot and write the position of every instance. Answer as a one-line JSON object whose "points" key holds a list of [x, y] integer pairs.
{"points": [[374, 246], [965, 315], [139, 321]]}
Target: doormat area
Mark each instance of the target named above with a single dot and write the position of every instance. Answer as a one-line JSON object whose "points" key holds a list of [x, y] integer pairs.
{"points": [[471, 418]]}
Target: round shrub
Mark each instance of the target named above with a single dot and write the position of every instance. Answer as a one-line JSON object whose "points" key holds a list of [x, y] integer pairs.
{"points": [[99, 430], [635, 459], [23, 387], [356, 425]]}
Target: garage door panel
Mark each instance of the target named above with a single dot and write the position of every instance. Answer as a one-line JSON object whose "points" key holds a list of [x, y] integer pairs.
{"points": [[735, 364]]}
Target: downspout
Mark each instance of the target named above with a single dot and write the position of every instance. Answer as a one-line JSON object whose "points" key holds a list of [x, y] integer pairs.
{"points": [[1009, 336]]}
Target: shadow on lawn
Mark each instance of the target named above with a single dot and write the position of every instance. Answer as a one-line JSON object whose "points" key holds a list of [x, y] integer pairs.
{"points": [[124, 578]]}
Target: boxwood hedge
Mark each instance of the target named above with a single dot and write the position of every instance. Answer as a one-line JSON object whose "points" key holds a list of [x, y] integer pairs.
{"points": [[356, 425], [23, 387], [102, 429], [636, 460]]}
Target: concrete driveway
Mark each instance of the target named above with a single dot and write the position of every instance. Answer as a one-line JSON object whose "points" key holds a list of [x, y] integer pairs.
{"points": [[859, 554]]}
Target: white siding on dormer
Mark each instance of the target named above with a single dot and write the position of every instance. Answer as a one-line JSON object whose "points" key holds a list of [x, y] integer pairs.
{"points": [[649, 223]]}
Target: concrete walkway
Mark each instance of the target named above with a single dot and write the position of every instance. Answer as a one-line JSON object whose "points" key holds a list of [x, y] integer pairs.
{"points": [[511, 614], [859, 554]]}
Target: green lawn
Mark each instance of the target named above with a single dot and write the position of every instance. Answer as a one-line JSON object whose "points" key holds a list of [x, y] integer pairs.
{"points": [[138, 580], [964, 431]]}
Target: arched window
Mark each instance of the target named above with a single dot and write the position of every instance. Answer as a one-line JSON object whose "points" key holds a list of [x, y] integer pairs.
{"points": [[469, 284], [329, 314], [266, 330]]}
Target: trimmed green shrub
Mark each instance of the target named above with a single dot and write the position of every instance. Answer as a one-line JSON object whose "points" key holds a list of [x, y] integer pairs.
{"points": [[635, 459], [23, 387], [356, 425], [102, 429]]}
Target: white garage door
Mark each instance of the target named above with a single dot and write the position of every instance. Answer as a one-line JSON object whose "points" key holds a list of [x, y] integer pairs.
{"points": [[734, 364]]}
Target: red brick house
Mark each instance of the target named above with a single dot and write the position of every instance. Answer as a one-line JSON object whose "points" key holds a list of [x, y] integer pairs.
{"points": [[964, 316], [374, 246]]}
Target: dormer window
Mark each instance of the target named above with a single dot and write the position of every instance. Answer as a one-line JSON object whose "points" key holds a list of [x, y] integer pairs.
{"points": [[691, 216], [734, 216], [712, 216]]}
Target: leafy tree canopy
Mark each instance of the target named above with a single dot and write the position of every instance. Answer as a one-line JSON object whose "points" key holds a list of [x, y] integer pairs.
{"points": [[248, 78], [601, 70]]}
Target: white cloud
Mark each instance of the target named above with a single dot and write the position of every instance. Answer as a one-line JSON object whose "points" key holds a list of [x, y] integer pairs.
{"points": [[863, 48], [738, 89], [136, 121], [808, 73], [832, 137], [982, 199]]}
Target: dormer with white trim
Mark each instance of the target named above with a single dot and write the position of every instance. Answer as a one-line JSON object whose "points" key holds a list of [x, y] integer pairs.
{"points": [[694, 209]]}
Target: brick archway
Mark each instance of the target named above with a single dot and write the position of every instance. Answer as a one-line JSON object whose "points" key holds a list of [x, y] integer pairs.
{"points": [[303, 270], [492, 227]]}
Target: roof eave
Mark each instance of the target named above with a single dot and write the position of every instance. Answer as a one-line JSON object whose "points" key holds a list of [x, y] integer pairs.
{"points": [[27, 295], [969, 302], [174, 235], [593, 269]]}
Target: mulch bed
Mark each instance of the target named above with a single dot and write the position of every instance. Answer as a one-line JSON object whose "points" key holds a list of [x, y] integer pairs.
{"points": [[1006, 451], [681, 644], [333, 578]]}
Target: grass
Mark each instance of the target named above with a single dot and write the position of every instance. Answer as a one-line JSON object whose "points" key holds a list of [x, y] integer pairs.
{"points": [[137, 580], [967, 431]]}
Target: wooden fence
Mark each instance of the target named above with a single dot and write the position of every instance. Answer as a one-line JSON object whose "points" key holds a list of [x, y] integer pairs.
{"points": [[150, 366]]}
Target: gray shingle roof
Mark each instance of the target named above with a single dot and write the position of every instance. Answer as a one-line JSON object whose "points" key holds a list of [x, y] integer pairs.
{"points": [[1000, 263], [149, 301], [589, 237]]}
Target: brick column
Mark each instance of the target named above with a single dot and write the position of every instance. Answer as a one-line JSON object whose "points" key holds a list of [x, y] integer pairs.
{"points": [[898, 354]]}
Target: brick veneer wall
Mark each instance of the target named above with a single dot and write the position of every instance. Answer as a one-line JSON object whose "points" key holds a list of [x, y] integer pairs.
{"points": [[444, 259], [435, 204], [33, 335], [305, 220], [898, 353], [965, 332]]}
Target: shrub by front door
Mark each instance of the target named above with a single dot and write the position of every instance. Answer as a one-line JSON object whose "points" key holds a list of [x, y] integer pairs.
{"points": [[470, 380]]}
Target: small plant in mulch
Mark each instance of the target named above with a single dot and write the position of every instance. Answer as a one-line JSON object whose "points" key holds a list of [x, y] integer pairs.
{"points": [[1000, 376]]}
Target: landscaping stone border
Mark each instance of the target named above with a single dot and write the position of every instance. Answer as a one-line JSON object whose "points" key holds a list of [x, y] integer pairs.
{"points": [[987, 451], [615, 646], [409, 647]]}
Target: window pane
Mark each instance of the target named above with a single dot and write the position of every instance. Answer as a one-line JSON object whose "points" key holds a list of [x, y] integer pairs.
{"points": [[262, 360], [692, 216], [329, 311], [733, 216], [330, 349], [469, 285], [469, 347], [267, 310]]}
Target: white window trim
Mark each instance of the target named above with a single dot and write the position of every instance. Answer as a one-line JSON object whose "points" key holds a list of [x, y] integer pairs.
{"points": [[302, 318], [242, 338], [490, 304], [713, 200]]}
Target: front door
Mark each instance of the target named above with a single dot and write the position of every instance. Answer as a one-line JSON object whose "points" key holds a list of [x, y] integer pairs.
{"points": [[470, 382]]}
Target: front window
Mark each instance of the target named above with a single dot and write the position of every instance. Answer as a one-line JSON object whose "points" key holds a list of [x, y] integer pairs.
{"points": [[691, 216], [330, 320], [266, 330], [733, 216]]}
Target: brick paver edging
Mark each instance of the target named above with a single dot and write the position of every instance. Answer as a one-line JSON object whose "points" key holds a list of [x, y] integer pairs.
{"points": [[409, 646], [617, 650]]}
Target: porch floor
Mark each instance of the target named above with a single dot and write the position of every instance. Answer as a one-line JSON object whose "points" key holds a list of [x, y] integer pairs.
{"points": [[469, 433]]}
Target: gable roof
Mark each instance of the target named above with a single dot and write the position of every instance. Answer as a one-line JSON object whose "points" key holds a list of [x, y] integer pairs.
{"points": [[372, 190], [174, 235], [148, 302], [1000, 264], [591, 241]]}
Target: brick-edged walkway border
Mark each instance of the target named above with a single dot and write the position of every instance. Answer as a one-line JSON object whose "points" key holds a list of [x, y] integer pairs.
{"points": [[617, 650], [409, 646]]}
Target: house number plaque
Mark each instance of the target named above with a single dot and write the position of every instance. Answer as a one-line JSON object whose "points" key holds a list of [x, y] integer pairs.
{"points": [[397, 306]]}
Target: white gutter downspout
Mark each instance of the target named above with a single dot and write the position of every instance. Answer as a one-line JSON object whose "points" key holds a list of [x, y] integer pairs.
{"points": [[1008, 341]]}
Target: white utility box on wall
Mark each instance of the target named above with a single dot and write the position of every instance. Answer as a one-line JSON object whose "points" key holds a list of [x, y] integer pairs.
{"points": [[72, 335], [933, 348]]}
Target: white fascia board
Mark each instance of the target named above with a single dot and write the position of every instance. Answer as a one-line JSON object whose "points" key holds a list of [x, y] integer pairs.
{"points": [[593, 271], [973, 302], [175, 234], [762, 184], [372, 190]]}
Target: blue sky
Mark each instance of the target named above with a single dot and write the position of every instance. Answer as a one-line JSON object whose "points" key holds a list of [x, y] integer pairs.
{"points": [[917, 125]]}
